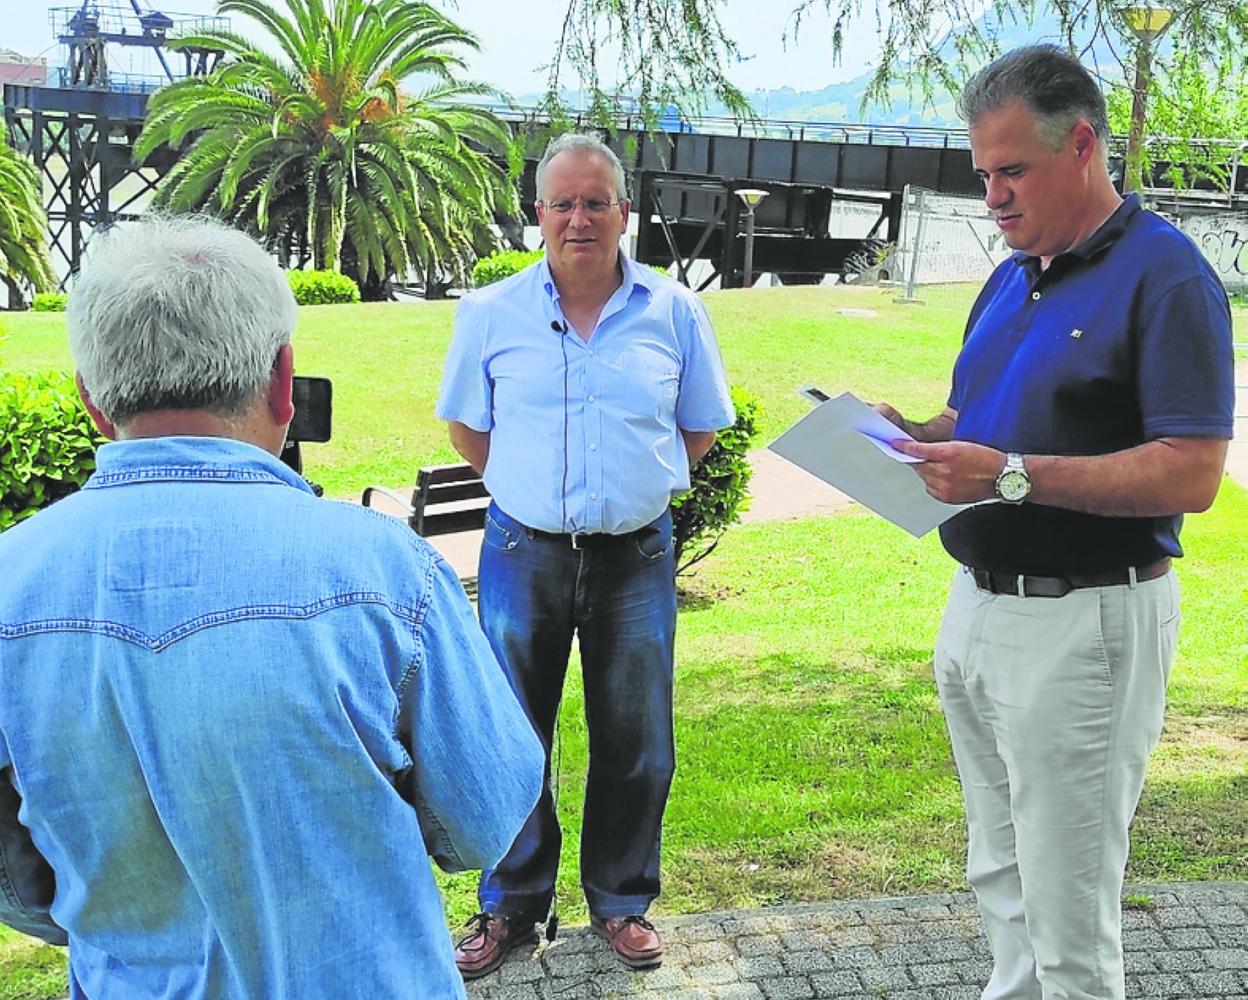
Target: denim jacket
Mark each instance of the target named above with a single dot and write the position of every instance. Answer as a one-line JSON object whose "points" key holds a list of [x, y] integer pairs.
{"points": [[234, 721]]}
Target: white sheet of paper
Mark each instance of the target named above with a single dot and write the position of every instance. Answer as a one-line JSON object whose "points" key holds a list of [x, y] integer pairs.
{"points": [[844, 442]]}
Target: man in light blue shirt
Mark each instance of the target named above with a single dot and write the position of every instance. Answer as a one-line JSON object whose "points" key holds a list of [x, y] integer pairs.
{"points": [[583, 389], [234, 718]]}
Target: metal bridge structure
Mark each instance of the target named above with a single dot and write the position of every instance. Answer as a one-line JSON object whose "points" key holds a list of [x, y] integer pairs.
{"points": [[686, 174], [80, 132], [685, 182]]}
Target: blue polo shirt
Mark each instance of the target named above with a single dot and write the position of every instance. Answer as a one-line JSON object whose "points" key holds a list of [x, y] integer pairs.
{"points": [[585, 435], [1122, 340]]}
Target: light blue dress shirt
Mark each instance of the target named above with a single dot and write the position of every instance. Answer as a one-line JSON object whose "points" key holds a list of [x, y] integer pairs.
{"points": [[585, 435], [237, 720]]}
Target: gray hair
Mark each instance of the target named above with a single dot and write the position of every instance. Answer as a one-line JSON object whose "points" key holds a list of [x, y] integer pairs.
{"points": [[581, 143], [1054, 86], [179, 313]]}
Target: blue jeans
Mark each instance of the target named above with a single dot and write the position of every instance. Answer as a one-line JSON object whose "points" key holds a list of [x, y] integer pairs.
{"points": [[619, 597]]}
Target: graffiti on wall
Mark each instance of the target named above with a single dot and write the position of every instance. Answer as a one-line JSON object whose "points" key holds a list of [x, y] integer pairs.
{"points": [[1224, 242]]}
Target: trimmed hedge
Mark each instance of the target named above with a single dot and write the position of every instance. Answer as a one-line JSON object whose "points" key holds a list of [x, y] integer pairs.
{"points": [[51, 302], [47, 443], [322, 288], [503, 264], [717, 493]]}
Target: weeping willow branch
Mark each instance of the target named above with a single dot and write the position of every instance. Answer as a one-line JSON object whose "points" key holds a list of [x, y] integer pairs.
{"points": [[665, 53], [662, 53]]}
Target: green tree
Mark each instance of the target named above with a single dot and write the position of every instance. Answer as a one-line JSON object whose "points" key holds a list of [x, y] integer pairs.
{"points": [[668, 52], [667, 48], [1189, 103], [319, 152], [24, 262]]}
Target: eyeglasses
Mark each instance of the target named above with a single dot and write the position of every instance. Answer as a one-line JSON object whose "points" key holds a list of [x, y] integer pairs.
{"points": [[592, 206]]}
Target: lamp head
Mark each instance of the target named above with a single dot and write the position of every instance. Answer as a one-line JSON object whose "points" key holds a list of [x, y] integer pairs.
{"points": [[1147, 23], [752, 196]]}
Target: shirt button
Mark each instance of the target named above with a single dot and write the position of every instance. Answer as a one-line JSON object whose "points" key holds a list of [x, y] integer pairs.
{"points": [[593, 399], [593, 496], [593, 447], [1035, 296]]}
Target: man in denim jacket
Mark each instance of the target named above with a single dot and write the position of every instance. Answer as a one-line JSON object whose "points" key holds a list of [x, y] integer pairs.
{"points": [[234, 718]]}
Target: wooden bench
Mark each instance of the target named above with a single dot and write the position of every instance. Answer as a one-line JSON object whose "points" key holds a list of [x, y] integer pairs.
{"points": [[447, 499]]}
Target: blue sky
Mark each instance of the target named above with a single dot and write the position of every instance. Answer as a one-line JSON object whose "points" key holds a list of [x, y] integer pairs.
{"points": [[518, 37]]}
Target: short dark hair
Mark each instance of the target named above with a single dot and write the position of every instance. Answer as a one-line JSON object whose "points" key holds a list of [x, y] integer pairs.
{"points": [[1053, 84]]}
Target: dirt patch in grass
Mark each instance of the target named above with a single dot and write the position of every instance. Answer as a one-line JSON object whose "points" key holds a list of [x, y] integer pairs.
{"points": [[1211, 743], [773, 875]]}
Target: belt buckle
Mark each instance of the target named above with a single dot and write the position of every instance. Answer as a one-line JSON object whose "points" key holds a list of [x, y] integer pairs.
{"points": [[576, 537]]}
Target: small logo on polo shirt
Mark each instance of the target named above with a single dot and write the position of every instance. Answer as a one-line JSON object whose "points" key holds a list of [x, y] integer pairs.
{"points": [[1076, 333]]}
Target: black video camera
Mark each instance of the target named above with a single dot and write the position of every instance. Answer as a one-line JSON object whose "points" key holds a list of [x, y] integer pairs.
{"points": [[314, 406]]}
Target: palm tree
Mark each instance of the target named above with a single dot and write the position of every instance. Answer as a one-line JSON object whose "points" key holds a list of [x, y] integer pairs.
{"points": [[318, 151], [23, 253]]}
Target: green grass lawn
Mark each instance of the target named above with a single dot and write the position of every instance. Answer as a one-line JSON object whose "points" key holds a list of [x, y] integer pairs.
{"points": [[813, 761], [385, 360]]}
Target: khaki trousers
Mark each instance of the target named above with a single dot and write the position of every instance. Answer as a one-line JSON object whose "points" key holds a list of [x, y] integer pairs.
{"points": [[1053, 706]]}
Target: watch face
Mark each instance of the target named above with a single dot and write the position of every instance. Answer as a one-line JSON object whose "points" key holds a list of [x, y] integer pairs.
{"points": [[1013, 486]]}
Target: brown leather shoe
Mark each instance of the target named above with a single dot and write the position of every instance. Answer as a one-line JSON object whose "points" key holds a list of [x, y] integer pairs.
{"points": [[633, 939], [490, 937]]}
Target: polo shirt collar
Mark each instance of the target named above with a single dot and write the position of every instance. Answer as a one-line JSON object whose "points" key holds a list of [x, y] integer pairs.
{"points": [[1105, 237]]}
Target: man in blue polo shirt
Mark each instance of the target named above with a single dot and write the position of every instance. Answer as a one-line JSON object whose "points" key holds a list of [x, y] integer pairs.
{"points": [[1092, 400], [583, 388]]}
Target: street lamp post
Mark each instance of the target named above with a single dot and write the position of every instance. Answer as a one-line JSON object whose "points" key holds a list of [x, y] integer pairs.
{"points": [[751, 197], [1147, 24]]}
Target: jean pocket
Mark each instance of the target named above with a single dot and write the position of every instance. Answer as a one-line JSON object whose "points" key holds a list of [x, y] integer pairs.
{"points": [[499, 537], [654, 541]]}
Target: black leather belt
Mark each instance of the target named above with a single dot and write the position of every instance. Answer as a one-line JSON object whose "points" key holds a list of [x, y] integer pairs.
{"points": [[1020, 585], [582, 539]]}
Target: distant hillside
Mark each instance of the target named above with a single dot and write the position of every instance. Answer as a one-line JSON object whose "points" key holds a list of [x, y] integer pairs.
{"points": [[842, 102]]}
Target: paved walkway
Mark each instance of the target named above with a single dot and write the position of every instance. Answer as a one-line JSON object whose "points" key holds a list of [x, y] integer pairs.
{"points": [[1189, 942]]}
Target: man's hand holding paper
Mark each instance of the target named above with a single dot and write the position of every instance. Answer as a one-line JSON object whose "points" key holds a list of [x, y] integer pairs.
{"points": [[848, 444], [955, 472]]}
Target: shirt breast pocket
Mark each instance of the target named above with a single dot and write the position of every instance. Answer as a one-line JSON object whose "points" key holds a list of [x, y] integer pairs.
{"points": [[646, 384]]}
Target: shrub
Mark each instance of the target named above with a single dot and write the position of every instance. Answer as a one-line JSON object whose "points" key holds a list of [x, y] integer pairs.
{"points": [[47, 443], [322, 288], [717, 493], [49, 302], [503, 264]]}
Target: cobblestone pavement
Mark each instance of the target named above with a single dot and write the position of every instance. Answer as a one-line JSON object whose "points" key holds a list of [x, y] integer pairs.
{"points": [[1189, 941]]}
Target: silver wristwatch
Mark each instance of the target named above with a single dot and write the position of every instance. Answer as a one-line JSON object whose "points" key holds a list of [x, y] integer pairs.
{"points": [[1013, 484]]}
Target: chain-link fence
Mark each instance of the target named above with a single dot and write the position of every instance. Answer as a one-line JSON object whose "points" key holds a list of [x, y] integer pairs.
{"points": [[945, 238]]}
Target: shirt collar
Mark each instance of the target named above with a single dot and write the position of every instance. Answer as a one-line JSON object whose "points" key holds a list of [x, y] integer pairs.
{"points": [[634, 276], [1104, 237], [188, 458]]}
